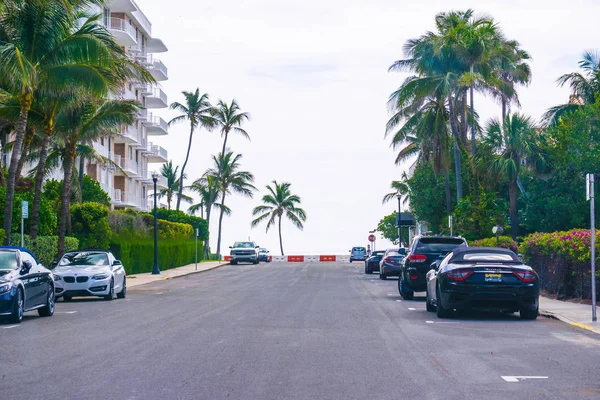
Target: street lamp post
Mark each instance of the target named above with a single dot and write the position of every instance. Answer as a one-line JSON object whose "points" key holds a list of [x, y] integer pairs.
{"points": [[399, 219], [155, 270]]}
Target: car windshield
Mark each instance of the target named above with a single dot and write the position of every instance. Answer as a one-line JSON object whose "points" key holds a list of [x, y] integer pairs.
{"points": [[243, 245], [84, 259], [378, 253], [262, 251], [8, 260], [439, 245], [358, 249]]}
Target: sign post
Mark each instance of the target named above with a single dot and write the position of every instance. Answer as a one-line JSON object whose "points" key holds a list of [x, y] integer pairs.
{"points": [[450, 224], [589, 180], [24, 214], [196, 249]]}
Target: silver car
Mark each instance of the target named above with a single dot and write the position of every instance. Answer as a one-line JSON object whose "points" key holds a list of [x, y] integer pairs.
{"points": [[89, 273]]}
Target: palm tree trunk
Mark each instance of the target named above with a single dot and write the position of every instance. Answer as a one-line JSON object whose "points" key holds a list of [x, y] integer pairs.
{"points": [[465, 119], [14, 160], [220, 225], [169, 199], [448, 194], [504, 109], [514, 213], [37, 194], [64, 198], [80, 178], [187, 156], [29, 134], [280, 240], [224, 143], [455, 135]]}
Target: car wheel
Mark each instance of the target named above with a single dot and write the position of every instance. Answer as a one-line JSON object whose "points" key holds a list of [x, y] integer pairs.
{"points": [[440, 310], [405, 292], [350, 261], [529, 314], [111, 292], [428, 304], [123, 292], [255, 262], [233, 263], [18, 307], [67, 298], [48, 309], [382, 276]]}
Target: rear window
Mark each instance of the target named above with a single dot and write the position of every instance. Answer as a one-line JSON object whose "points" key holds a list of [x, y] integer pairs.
{"points": [[485, 256], [378, 253], [435, 245], [358, 249]]}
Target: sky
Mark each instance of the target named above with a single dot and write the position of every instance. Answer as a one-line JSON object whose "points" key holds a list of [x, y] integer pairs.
{"points": [[313, 75]]}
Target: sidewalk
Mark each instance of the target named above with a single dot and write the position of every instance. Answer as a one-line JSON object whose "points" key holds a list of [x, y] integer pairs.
{"points": [[142, 279], [579, 315]]}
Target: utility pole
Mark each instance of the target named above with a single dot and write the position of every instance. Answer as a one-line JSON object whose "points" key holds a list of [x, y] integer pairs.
{"points": [[590, 197], [399, 219]]}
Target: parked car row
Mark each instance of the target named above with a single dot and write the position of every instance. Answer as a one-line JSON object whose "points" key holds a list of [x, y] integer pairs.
{"points": [[248, 252], [456, 277], [26, 285]]}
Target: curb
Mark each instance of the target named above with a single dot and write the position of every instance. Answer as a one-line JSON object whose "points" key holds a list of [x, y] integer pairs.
{"points": [[549, 314], [165, 278]]}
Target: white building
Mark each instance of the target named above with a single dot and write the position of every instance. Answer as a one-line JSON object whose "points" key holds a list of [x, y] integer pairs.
{"points": [[133, 150]]}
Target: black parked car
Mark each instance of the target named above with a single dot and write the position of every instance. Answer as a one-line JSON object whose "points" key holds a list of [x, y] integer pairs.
{"points": [[391, 263], [482, 277], [423, 251], [372, 263], [25, 285]]}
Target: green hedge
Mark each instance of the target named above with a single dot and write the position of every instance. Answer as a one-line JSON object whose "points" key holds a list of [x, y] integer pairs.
{"points": [[183, 218], [169, 230], [47, 246], [562, 260], [90, 225], [137, 255], [505, 242]]}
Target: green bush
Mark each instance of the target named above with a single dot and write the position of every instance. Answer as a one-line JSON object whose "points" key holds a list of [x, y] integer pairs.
{"points": [[128, 223], [505, 242], [90, 225], [170, 230], [562, 260], [182, 217], [91, 192], [137, 255], [47, 246], [48, 219]]}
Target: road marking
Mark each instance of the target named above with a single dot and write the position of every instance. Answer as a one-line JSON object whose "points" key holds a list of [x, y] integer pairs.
{"points": [[399, 301], [10, 327], [391, 294], [517, 378], [412, 309], [440, 322], [160, 293], [66, 312]]}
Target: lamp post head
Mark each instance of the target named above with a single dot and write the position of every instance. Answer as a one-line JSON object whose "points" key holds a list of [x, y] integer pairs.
{"points": [[155, 176]]}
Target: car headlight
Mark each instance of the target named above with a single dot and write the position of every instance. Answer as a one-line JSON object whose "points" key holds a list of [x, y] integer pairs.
{"points": [[5, 287], [57, 278], [100, 276]]}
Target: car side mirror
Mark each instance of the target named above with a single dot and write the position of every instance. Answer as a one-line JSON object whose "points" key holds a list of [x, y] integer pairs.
{"points": [[257, 247], [434, 265], [117, 263], [231, 247], [26, 267], [53, 264]]}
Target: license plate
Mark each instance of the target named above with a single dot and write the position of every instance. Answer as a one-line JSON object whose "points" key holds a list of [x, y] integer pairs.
{"points": [[493, 277]]}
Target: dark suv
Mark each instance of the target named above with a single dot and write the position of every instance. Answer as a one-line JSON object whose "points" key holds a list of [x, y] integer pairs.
{"points": [[423, 251]]}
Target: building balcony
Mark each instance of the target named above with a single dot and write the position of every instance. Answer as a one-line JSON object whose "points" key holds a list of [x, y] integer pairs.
{"points": [[156, 126], [130, 135], [143, 115], [121, 198], [161, 182], [156, 97], [128, 167], [156, 68], [157, 154], [122, 30], [155, 45], [100, 149], [123, 6]]}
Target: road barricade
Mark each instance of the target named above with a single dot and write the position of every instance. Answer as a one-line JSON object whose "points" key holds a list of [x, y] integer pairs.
{"points": [[311, 259], [227, 258], [295, 258], [327, 258], [278, 258], [343, 259]]}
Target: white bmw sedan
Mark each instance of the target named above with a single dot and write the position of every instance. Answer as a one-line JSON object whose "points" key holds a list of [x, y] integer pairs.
{"points": [[89, 273]]}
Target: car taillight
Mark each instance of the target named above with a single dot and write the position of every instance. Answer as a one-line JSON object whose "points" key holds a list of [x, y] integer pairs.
{"points": [[525, 276], [387, 259], [459, 275], [417, 257]]}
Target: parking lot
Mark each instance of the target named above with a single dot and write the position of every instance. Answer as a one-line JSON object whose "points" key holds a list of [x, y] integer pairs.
{"points": [[289, 331]]}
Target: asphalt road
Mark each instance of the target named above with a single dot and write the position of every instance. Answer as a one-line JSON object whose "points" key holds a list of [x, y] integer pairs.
{"points": [[289, 331]]}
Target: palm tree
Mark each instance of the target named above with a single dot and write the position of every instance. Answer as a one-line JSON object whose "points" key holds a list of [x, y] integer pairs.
{"points": [[196, 110], [231, 180], [506, 147], [399, 189], [585, 87], [170, 173], [204, 188], [279, 202], [87, 122], [512, 69], [42, 49], [227, 118]]}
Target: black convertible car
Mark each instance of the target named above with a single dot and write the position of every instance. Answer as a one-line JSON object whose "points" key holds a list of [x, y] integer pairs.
{"points": [[372, 263], [482, 277]]}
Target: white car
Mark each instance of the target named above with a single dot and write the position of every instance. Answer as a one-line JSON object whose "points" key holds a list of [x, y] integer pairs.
{"points": [[89, 273]]}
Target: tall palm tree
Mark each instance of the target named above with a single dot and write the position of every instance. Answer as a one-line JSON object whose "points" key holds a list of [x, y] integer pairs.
{"points": [[204, 188], [399, 189], [279, 202], [87, 122], [506, 147], [42, 49], [512, 69], [231, 180], [170, 174], [585, 87], [196, 110]]}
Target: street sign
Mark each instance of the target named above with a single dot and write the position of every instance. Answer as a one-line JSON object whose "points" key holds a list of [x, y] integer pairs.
{"points": [[24, 209], [371, 238]]}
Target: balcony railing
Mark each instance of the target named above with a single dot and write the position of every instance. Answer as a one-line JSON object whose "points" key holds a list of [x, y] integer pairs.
{"points": [[155, 125], [121, 25], [156, 97], [100, 149], [158, 151]]}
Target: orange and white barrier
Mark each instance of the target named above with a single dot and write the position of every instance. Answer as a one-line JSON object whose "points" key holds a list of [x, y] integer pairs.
{"points": [[306, 258]]}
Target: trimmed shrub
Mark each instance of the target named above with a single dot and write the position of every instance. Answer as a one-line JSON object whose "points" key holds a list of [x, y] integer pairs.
{"points": [[47, 246], [90, 225], [137, 255], [506, 242], [128, 223], [48, 219], [562, 260], [169, 230], [182, 217]]}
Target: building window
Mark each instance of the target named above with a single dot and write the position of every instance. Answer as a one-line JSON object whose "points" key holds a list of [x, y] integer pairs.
{"points": [[102, 141], [130, 152]]}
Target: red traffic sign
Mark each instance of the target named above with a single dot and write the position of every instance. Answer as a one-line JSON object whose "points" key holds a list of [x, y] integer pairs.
{"points": [[371, 238]]}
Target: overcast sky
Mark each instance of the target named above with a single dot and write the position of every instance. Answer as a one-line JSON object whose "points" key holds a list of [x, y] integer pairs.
{"points": [[313, 75]]}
